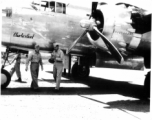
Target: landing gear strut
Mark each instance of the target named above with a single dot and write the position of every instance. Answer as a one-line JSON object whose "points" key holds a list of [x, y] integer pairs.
{"points": [[80, 71]]}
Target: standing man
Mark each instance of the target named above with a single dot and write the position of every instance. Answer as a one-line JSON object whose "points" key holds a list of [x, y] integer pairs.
{"points": [[58, 56], [16, 67], [36, 59]]}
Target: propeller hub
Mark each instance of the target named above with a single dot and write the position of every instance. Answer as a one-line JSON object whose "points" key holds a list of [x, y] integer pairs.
{"points": [[88, 24], [98, 22]]}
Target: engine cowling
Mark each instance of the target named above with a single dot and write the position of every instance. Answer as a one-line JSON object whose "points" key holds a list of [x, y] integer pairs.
{"points": [[144, 48], [104, 25]]}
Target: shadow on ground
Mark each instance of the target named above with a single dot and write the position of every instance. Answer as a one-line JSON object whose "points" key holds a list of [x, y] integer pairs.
{"points": [[96, 86], [131, 105], [106, 86]]}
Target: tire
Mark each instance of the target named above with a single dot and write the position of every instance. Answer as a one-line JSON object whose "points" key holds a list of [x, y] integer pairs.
{"points": [[80, 71], [147, 85], [74, 70], [5, 78]]}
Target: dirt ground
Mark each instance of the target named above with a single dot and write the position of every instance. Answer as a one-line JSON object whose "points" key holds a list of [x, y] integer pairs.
{"points": [[107, 94]]}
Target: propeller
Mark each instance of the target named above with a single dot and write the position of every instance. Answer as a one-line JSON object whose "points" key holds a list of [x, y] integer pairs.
{"points": [[114, 51], [93, 12], [92, 25], [76, 41], [94, 6]]}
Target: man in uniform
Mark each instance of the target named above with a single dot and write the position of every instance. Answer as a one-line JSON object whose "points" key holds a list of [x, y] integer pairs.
{"points": [[58, 56], [16, 67], [36, 59]]}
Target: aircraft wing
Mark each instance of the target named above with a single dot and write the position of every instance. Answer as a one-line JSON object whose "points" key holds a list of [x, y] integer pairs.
{"points": [[144, 4], [23, 50]]}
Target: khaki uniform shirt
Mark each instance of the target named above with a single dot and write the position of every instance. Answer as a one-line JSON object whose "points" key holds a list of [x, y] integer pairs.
{"points": [[34, 57], [59, 55]]}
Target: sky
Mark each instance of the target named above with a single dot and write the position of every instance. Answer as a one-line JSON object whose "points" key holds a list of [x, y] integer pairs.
{"points": [[86, 3]]}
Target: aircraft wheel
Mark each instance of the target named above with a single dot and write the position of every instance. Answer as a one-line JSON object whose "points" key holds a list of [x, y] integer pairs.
{"points": [[5, 78], [147, 85], [80, 71]]}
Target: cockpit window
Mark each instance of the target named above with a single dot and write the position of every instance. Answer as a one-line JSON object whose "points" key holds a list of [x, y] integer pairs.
{"points": [[7, 11], [50, 6], [44, 5], [64, 8], [59, 8]]}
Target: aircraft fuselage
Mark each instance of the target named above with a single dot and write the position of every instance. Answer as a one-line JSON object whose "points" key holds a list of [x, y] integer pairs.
{"points": [[27, 27]]}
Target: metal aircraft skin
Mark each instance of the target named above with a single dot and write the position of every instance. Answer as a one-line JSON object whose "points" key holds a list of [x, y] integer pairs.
{"points": [[119, 37], [27, 26]]}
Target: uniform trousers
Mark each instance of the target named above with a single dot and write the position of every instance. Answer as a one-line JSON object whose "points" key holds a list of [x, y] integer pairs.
{"points": [[17, 69], [34, 74], [57, 73]]}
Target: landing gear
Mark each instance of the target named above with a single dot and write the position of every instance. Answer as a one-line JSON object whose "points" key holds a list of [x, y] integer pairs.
{"points": [[147, 85], [5, 75], [80, 71], [5, 78]]}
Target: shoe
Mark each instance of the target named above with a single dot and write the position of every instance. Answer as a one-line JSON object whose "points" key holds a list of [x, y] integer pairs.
{"points": [[18, 80]]}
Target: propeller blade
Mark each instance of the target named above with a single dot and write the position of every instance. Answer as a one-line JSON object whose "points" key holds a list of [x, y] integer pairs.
{"points": [[114, 51], [94, 7], [75, 42]]}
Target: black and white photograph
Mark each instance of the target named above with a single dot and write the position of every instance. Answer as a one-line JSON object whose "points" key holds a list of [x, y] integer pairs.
{"points": [[75, 60]]}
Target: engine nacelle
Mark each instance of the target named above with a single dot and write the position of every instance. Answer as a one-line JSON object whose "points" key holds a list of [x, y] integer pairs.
{"points": [[103, 59], [144, 49]]}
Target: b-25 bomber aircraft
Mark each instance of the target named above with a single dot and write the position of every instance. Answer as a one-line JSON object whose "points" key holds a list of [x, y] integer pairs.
{"points": [[115, 36]]}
